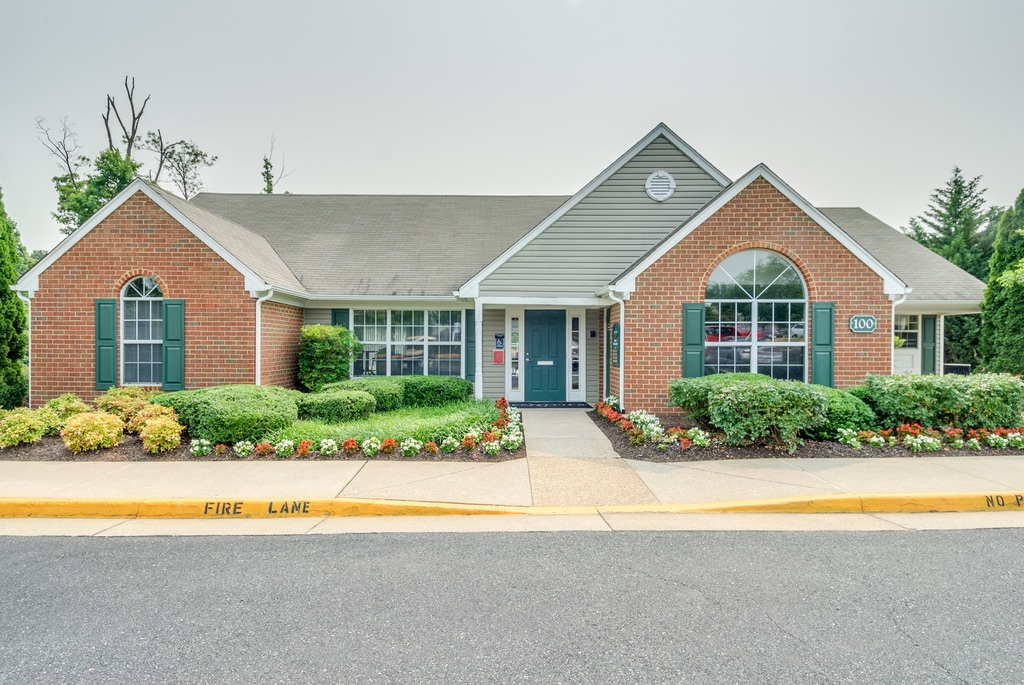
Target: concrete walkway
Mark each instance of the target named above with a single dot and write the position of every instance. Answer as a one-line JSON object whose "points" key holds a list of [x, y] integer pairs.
{"points": [[570, 479]]}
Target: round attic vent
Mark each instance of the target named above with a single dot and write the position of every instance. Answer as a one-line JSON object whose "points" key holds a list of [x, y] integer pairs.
{"points": [[660, 185]]}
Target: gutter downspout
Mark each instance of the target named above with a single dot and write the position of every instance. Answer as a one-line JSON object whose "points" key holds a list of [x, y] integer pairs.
{"points": [[892, 323], [622, 347], [28, 330], [259, 334]]}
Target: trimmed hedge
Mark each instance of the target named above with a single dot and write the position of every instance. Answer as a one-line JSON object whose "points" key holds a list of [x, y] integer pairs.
{"points": [[845, 410], [337, 406], [986, 400], [386, 392], [751, 407], [433, 391], [230, 413], [325, 354], [417, 391]]}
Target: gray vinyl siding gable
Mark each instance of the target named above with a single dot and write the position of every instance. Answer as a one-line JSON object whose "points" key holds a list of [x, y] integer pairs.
{"points": [[606, 231]]}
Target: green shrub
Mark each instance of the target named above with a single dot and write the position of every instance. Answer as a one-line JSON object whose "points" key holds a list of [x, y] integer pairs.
{"points": [[148, 413], [325, 355], [92, 431], [22, 426], [433, 391], [694, 394], [66, 406], [160, 434], [978, 401], [752, 407], [845, 410], [385, 391], [13, 384], [336, 407], [230, 413]]}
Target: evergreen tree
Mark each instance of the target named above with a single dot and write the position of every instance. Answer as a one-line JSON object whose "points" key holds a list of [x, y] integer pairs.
{"points": [[956, 226], [1002, 332], [13, 323]]}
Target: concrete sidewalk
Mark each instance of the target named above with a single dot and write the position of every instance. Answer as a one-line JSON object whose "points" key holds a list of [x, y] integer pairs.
{"points": [[571, 478]]}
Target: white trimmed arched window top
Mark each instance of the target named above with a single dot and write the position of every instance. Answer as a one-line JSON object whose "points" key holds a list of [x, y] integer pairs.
{"points": [[755, 316], [142, 332]]}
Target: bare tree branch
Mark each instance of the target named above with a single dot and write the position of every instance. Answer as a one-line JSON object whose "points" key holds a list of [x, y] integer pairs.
{"points": [[129, 135], [64, 148]]}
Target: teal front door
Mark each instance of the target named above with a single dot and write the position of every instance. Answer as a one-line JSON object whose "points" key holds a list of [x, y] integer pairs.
{"points": [[545, 355]]}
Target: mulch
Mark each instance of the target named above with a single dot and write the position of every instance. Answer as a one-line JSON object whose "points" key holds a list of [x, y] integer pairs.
{"points": [[52, 449]]}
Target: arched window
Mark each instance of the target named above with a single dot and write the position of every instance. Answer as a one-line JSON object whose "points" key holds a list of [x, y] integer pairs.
{"points": [[755, 316], [142, 332]]}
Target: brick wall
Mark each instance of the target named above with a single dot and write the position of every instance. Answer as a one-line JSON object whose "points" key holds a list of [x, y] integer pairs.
{"points": [[140, 239], [282, 327], [758, 217]]}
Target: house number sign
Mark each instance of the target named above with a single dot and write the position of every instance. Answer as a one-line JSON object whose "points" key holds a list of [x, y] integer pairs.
{"points": [[863, 323]]}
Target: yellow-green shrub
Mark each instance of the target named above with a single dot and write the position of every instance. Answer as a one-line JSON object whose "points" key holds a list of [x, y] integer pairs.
{"points": [[66, 406], [21, 426], [124, 402], [147, 414], [160, 434], [92, 431]]}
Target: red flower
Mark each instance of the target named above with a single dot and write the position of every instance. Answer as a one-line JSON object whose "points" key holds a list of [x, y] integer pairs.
{"points": [[388, 445], [304, 447], [350, 446]]}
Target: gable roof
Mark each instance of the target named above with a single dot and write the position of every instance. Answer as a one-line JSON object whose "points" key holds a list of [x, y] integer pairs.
{"points": [[471, 287], [383, 245], [934, 280], [247, 252], [891, 283]]}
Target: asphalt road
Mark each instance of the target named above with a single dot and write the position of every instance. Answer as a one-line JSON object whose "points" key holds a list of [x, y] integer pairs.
{"points": [[576, 607]]}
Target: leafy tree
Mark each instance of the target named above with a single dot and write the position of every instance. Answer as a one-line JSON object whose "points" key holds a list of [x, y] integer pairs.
{"points": [[78, 199], [1002, 344], [269, 180], [184, 160], [956, 226], [13, 323], [81, 193]]}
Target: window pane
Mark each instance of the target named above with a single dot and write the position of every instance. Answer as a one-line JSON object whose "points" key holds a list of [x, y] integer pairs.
{"points": [[726, 358], [372, 361], [407, 360], [445, 360], [143, 331]]}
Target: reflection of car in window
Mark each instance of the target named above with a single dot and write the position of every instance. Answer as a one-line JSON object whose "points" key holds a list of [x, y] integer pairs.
{"points": [[724, 333]]}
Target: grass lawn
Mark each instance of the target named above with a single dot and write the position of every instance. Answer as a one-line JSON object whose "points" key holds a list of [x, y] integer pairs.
{"points": [[424, 424]]}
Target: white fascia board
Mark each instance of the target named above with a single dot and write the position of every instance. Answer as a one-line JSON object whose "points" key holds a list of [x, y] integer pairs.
{"points": [[29, 282], [939, 307], [891, 283], [472, 287], [545, 301], [346, 300]]}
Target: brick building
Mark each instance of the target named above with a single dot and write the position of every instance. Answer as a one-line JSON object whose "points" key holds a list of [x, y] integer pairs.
{"points": [[660, 267]]}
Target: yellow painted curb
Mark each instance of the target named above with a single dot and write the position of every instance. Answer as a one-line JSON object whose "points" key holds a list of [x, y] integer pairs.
{"points": [[227, 508], [881, 503]]}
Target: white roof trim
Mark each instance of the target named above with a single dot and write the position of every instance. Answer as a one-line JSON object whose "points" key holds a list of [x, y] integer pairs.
{"points": [[472, 287], [30, 280], [891, 283]]}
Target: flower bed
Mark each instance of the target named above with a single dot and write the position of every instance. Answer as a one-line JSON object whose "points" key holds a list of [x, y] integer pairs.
{"points": [[504, 434]]}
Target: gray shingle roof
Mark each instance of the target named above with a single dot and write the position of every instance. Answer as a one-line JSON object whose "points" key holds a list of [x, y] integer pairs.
{"points": [[387, 245], [251, 249], [931, 277]]}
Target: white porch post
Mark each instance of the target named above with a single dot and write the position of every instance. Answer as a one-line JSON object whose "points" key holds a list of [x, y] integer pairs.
{"points": [[478, 325]]}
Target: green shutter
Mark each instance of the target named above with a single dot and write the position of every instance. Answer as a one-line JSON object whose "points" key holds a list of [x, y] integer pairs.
{"points": [[607, 351], [693, 340], [470, 337], [106, 343], [339, 317], [929, 361], [823, 320], [174, 345]]}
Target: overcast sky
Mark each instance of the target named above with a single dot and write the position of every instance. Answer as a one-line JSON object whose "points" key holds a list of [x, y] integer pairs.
{"points": [[861, 103]]}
